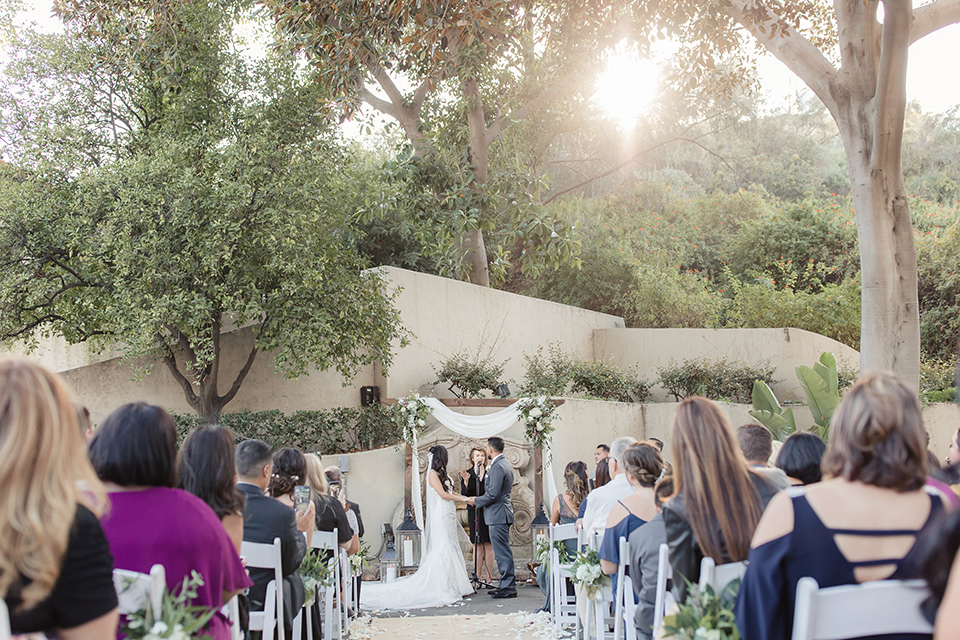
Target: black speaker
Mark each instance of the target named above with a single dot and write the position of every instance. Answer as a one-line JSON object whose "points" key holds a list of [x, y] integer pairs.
{"points": [[369, 395]]}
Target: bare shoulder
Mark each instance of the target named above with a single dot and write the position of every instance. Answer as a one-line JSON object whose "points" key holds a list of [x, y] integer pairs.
{"points": [[777, 519], [617, 513]]}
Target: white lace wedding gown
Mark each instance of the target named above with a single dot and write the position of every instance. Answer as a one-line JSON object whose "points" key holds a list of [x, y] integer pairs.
{"points": [[441, 578]]}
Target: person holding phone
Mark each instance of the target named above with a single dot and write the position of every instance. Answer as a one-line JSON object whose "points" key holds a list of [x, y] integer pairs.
{"points": [[472, 483], [289, 476]]}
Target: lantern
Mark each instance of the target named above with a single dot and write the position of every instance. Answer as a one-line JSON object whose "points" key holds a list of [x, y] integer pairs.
{"points": [[408, 538], [539, 529], [389, 563]]}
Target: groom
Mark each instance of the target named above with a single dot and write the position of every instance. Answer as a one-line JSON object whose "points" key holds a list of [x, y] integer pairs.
{"points": [[498, 514]]}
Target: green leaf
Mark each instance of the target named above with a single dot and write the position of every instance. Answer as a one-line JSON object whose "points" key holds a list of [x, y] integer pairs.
{"points": [[827, 369], [821, 401]]}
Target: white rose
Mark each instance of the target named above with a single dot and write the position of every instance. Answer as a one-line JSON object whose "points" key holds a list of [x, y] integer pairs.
{"points": [[540, 427], [159, 628], [535, 412], [422, 423]]}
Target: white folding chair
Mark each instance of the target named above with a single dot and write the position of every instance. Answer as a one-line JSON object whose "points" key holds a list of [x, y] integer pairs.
{"points": [[4, 621], [664, 598], [267, 556], [629, 609], [563, 607], [860, 610], [719, 576], [350, 600], [327, 541], [232, 612], [136, 591], [622, 594]]}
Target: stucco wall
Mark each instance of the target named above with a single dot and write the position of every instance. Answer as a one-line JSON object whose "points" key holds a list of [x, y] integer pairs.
{"points": [[447, 316], [108, 383], [785, 349]]}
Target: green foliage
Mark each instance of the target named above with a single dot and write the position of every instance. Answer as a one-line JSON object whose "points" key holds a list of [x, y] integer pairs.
{"points": [[199, 192], [559, 374], [179, 620], [469, 377], [939, 380], [769, 413], [340, 430], [714, 379], [705, 615], [938, 254], [821, 386]]}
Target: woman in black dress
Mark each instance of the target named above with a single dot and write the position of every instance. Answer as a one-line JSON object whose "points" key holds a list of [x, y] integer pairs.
{"points": [[472, 482]]}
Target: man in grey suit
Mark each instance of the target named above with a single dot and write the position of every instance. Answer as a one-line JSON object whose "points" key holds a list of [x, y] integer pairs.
{"points": [[498, 514]]}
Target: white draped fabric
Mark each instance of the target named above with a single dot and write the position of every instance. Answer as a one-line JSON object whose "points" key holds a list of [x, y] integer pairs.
{"points": [[477, 428]]}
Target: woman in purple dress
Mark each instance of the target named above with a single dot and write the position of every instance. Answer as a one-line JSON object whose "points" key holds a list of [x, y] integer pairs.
{"points": [[152, 522]]}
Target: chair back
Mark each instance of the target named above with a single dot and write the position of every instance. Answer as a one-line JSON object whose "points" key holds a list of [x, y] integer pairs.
{"points": [[719, 576], [232, 612], [859, 610], [324, 540], [267, 556], [664, 575], [329, 541], [4, 620], [136, 591], [563, 532], [623, 593], [629, 610]]}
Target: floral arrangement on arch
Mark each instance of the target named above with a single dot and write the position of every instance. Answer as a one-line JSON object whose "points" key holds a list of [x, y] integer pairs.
{"points": [[588, 574], [411, 415], [537, 415]]}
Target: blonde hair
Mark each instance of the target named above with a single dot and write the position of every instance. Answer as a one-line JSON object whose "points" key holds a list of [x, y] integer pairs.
{"points": [[709, 470], [316, 478], [44, 472]]}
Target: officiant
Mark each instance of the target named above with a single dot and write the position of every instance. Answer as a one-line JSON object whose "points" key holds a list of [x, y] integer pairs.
{"points": [[472, 484]]}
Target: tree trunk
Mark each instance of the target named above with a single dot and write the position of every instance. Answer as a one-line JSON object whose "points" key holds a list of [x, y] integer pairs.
{"points": [[474, 255], [471, 244], [890, 325]]}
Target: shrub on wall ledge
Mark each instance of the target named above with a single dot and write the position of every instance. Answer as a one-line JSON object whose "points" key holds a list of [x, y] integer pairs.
{"points": [[714, 379], [560, 374], [340, 430]]}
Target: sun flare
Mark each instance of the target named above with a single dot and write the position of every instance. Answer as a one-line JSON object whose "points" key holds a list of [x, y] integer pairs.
{"points": [[626, 87]]}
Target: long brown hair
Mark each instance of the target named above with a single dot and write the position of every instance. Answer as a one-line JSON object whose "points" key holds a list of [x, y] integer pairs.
{"points": [[45, 474], [575, 479], [710, 472]]}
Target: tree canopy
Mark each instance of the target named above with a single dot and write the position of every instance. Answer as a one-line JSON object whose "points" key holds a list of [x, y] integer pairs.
{"points": [[158, 200]]}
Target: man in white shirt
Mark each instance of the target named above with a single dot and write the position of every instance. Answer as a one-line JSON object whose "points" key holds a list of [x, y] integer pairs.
{"points": [[600, 501]]}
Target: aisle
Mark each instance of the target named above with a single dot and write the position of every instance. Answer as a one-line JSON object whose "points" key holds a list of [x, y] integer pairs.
{"points": [[510, 626]]}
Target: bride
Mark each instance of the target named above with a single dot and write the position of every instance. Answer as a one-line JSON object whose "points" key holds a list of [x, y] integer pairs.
{"points": [[441, 578]]}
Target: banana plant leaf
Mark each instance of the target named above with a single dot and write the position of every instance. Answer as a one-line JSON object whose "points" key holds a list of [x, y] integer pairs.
{"points": [[821, 401], [827, 369], [781, 424]]}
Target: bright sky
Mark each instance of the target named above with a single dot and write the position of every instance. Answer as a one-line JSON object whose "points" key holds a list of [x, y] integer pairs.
{"points": [[926, 81]]}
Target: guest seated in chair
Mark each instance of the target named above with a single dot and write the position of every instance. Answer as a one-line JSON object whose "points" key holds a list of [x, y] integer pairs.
{"points": [[859, 525], [718, 501], [645, 544], [56, 571], [264, 519], [151, 521]]}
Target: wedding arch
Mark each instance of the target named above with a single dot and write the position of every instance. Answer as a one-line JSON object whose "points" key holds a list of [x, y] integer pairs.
{"points": [[477, 427]]}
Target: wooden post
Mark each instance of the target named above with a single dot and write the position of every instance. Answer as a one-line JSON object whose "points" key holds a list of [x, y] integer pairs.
{"points": [[537, 478], [408, 480]]}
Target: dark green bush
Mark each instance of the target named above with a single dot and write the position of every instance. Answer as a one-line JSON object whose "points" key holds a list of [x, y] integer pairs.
{"points": [[714, 379], [340, 430]]}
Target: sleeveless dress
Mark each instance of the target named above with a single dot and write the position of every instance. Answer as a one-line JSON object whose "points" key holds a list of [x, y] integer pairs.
{"points": [[769, 589], [441, 578], [610, 545]]}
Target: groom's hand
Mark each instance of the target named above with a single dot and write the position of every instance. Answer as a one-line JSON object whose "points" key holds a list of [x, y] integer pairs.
{"points": [[471, 501]]}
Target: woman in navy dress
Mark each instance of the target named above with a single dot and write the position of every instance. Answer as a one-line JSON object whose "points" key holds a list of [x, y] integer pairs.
{"points": [[859, 525], [643, 466]]}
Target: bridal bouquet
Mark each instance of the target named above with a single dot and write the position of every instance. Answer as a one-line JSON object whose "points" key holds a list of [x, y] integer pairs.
{"points": [[178, 620], [411, 415], [588, 574], [537, 415]]}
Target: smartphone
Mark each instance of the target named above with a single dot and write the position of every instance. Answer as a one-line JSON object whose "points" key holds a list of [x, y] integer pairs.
{"points": [[301, 498], [335, 489]]}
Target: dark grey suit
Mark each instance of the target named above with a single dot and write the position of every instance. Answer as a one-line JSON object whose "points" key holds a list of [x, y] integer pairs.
{"points": [[498, 514], [263, 520]]}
